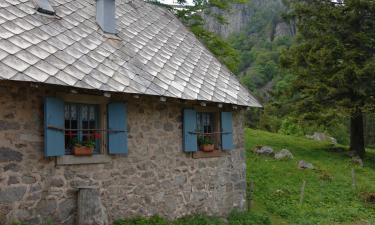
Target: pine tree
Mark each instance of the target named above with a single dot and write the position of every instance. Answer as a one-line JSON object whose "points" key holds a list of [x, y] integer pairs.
{"points": [[333, 60]]}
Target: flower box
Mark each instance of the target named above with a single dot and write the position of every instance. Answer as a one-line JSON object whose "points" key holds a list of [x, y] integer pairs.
{"points": [[207, 148], [83, 151]]}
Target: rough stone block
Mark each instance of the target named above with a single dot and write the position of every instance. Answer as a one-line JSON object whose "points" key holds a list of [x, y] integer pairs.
{"points": [[12, 194]]}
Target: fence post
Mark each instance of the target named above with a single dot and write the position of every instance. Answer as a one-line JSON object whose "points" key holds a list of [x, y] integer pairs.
{"points": [[302, 192], [353, 179], [250, 194]]}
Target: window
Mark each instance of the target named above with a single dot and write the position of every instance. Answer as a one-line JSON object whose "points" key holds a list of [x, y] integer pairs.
{"points": [[213, 128], [82, 126], [207, 129]]}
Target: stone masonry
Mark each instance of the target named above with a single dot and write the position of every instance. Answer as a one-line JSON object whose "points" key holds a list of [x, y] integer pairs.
{"points": [[157, 177]]}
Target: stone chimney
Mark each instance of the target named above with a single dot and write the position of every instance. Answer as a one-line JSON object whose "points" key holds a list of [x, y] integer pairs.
{"points": [[106, 15]]}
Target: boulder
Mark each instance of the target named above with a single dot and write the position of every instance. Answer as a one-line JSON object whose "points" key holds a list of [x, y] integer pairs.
{"points": [[305, 165], [317, 136], [284, 154], [357, 161], [265, 150]]}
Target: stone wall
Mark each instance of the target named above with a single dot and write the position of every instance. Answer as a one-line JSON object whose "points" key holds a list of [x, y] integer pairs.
{"points": [[157, 177]]}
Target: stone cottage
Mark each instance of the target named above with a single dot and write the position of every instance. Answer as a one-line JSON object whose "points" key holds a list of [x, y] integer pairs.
{"points": [[117, 97]]}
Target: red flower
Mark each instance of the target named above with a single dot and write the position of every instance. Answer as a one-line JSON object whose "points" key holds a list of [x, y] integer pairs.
{"points": [[97, 135], [70, 134]]}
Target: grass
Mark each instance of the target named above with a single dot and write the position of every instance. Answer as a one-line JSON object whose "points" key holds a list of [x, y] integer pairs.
{"points": [[235, 218], [329, 195]]}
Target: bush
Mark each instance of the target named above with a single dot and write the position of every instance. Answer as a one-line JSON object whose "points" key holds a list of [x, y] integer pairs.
{"points": [[289, 127]]}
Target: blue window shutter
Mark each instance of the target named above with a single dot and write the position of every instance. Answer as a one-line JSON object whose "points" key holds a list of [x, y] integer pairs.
{"points": [[227, 131], [117, 128], [54, 141], [189, 127]]}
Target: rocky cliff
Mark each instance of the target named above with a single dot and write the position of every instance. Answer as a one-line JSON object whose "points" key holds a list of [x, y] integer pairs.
{"points": [[247, 18]]}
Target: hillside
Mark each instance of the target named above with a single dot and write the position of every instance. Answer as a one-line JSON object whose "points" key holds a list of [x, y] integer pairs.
{"points": [[329, 195], [258, 32]]}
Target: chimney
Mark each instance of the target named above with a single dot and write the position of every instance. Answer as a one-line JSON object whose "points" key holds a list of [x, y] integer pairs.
{"points": [[44, 7], [106, 15]]}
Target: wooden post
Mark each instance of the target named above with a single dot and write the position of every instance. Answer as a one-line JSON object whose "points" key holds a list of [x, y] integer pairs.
{"points": [[353, 179], [250, 194], [302, 192]]}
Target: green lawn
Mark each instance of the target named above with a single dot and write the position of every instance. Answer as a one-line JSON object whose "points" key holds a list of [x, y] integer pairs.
{"points": [[329, 195]]}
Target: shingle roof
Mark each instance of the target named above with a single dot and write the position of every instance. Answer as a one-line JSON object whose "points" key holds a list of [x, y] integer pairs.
{"points": [[153, 55]]}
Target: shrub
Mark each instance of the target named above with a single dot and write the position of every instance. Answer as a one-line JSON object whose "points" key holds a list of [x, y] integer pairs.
{"points": [[289, 127]]}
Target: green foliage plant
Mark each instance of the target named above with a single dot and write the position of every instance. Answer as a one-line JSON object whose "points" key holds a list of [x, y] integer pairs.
{"points": [[202, 140]]}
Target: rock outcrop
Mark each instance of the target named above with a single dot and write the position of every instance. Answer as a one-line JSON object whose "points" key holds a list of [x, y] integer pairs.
{"points": [[241, 16]]}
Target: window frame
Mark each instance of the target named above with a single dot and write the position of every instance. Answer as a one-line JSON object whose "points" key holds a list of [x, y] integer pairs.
{"points": [[101, 103], [79, 128], [218, 152], [216, 128]]}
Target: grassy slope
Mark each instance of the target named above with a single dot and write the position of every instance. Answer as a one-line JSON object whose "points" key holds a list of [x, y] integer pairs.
{"points": [[329, 196]]}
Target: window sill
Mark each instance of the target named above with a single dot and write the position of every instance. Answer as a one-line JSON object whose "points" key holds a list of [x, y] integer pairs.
{"points": [[214, 154], [78, 160]]}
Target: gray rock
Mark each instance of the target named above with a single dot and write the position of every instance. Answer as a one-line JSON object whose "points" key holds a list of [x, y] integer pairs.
{"points": [[28, 179], [4, 211], [13, 180], [198, 196], [57, 182], [357, 161], [46, 208], [35, 188], [34, 196], [284, 154], [168, 127], [12, 167], [317, 136], [9, 155], [305, 165], [12, 194], [265, 150], [22, 214], [180, 180], [6, 125]]}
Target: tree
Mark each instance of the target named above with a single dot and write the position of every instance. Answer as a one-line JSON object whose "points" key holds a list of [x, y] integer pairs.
{"points": [[333, 61]]}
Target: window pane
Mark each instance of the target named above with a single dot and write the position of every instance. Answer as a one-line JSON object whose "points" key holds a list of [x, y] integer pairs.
{"points": [[70, 127], [73, 112]]}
